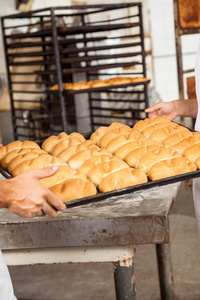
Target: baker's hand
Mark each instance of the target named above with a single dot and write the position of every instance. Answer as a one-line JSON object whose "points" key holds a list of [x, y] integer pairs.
{"points": [[27, 197], [162, 109]]}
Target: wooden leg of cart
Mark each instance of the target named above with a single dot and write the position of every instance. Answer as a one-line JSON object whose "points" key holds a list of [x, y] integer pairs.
{"points": [[165, 271], [125, 280]]}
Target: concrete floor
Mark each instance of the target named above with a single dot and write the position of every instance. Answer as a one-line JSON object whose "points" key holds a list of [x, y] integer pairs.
{"points": [[95, 281]]}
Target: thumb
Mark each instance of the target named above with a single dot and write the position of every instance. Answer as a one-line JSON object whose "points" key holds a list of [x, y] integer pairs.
{"points": [[47, 172], [153, 108]]}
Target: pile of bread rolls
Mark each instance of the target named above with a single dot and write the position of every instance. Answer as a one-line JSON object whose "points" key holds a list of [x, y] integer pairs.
{"points": [[115, 157], [81, 85]]}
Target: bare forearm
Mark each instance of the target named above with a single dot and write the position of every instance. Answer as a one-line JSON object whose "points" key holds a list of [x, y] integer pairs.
{"points": [[186, 108], [4, 190]]}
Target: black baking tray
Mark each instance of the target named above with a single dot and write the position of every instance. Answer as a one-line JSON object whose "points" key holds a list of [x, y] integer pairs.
{"points": [[124, 191], [139, 187]]}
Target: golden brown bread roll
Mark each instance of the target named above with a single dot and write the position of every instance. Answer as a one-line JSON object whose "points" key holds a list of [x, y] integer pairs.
{"points": [[176, 138], [163, 133], [97, 135], [24, 157], [64, 144], [142, 124], [192, 152], [171, 167], [13, 154], [118, 80], [110, 135], [97, 83], [150, 129], [80, 85], [94, 161], [72, 189], [133, 158], [64, 173], [121, 179], [16, 145], [79, 158], [38, 163], [70, 151], [126, 149], [181, 146], [197, 163], [50, 142], [97, 173], [152, 157], [195, 138], [121, 140]]}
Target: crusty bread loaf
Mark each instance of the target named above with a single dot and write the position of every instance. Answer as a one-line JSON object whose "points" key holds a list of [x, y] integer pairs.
{"points": [[171, 167], [50, 142], [64, 173], [176, 138], [150, 129], [152, 157], [24, 157], [94, 161], [118, 80], [192, 152], [97, 135], [163, 133], [142, 124], [80, 85], [64, 144], [70, 151], [13, 154], [112, 134], [16, 145], [121, 140], [97, 83], [38, 163], [79, 158], [133, 158], [97, 173], [77, 135], [195, 138], [181, 146], [72, 189], [122, 179], [126, 149]]}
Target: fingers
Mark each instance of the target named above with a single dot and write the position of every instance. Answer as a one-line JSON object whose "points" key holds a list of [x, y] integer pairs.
{"points": [[153, 108], [55, 202], [43, 173]]}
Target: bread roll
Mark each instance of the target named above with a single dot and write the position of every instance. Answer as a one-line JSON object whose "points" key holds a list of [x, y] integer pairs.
{"points": [[16, 145], [97, 173], [110, 135], [72, 189], [176, 138], [182, 146], [94, 161], [142, 124], [24, 157], [122, 179], [97, 135], [126, 149], [79, 158], [163, 133], [192, 152], [118, 80], [64, 173], [133, 158], [97, 83], [171, 167], [38, 163], [50, 143], [64, 144], [150, 129], [121, 140], [70, 151], [195, 138], [197, 163], [152, 157], [13, 154]]}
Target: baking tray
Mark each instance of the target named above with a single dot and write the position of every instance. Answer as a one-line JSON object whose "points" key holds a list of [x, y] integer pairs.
{"points": [[124, 191]]}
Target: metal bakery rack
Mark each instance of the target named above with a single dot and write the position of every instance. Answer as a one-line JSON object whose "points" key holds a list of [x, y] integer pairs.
{"points": [[70, 44]]}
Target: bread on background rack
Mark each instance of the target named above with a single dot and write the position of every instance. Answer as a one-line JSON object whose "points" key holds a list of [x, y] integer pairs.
{"points": [[115, 157], [81, 85]]}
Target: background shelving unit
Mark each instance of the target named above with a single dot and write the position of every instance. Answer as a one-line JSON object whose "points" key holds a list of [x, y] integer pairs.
{"points": [[70, 44]]}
